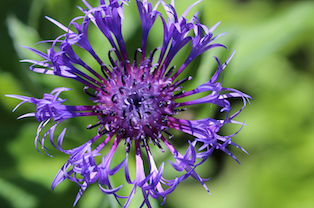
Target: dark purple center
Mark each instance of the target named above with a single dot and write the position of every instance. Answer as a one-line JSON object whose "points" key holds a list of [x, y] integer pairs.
{"points": [[136, 107]]}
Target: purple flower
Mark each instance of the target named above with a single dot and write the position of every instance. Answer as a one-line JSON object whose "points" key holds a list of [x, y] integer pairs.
{"points": [[135, 100]]}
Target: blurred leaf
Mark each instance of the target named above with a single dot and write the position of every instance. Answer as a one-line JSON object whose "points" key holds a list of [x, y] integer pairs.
{"points": [[9, 85], [16, 196], [34, 13], [268, 37], [23, 35], [30, 162]]}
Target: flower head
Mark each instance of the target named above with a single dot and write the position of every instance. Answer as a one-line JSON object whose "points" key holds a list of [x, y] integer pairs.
{"points": [[135, 100]]}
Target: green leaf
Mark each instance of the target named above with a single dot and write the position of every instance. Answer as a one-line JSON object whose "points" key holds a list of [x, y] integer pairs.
{"points": [[6, 79], [23, 35], [17, 197], [270, 36]]}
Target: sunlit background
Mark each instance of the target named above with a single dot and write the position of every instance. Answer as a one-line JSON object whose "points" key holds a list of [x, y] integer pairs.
{"points": [[273, 63]]}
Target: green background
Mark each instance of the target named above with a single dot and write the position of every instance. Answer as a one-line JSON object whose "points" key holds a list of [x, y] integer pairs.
{"points": [[273, 63]]}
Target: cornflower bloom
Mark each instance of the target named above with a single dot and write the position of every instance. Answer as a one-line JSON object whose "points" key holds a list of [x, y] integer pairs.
{"points": [[135, 100]]}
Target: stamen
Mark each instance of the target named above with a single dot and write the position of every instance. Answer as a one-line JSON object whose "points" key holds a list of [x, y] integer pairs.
{"points": [[121, 131], [113, 98], [164, 119], [152, 55], [139, 113], [128, 147], [103, 132], [154, 70], [157, 142], [104, 69], [135, 57], [162, 103], [103, 88], [122, 79], [180, 93], [90, 126], [120, 90], [148, 126], [94, 110], [182, 81], [103, 112], [165, 87], [144, 141], [143, 76], [170, 71], [88, 93], [126, 101], [170, 135], [160, 147], [124, 66], [110, 58], [112, 113], [180, 110]]}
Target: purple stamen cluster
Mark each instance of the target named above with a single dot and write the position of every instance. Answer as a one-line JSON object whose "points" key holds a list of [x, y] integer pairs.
{"points": [[135, 104], [135, 101]]}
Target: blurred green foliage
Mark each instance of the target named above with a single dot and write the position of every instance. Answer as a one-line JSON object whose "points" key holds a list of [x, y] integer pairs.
{"points": [[273, 63]]}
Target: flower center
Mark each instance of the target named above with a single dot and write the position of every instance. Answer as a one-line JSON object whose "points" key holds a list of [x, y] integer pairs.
{"points": [[135, 107], [135, 100]]}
